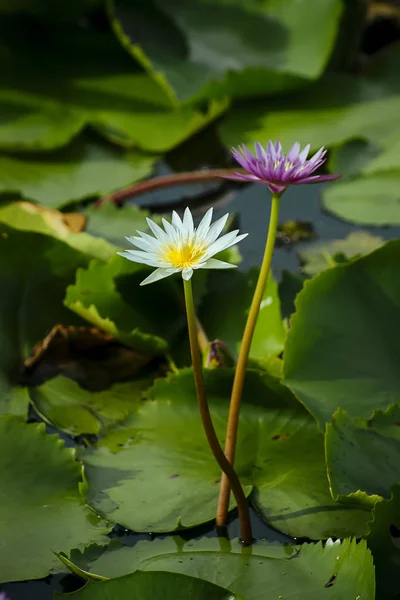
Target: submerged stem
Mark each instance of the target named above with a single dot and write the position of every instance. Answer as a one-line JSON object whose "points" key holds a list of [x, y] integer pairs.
{"points": [[238, 382], [224, 464]]}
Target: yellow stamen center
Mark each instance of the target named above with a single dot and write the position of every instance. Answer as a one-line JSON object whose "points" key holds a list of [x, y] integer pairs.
{"points": [[183, 256]]}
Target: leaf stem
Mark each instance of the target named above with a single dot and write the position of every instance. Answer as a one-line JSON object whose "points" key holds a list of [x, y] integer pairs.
{"points": [[224, 464], [164, 181], [238, 382]]}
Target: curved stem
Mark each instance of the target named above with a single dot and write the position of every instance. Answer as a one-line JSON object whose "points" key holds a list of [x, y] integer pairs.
{"points": [[224, 464], [238, 382], [166, 181]]}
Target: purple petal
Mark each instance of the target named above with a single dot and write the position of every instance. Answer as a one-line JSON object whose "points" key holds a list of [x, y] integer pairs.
{"points": [[275, 188], [278, 151], [304, 153], [293, 152], [316, 179], [242, 177], [260, 152]]}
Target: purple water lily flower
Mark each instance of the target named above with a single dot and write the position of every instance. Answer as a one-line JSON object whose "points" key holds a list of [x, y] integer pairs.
{"points": [[3, 596], [278, 171]]}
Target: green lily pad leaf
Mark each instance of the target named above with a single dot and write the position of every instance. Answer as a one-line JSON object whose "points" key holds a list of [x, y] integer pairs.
{"points": [[320, 256], [99, 562], [109, 296], [31, 265], [40, 483], [342, 348], [99, 86], [353, 157], [27, 216], [224, 310], [24, 126], [74, 410], [179, 47], [383, 540], [162, 446], [368, 199], [338, 570], [113, 223], [151, 586], [363, 455], [388, 160], [155, 131], [82, 170]]}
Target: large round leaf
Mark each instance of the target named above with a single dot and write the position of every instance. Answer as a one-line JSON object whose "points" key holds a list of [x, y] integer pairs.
{"points": [[34, 217], [25, 126], [163, 447], [151, 586], [313, 572], [342, 349], [81, 170], [368, 199], [41, 507], [65, 405], [363, 455], [269, 47]]}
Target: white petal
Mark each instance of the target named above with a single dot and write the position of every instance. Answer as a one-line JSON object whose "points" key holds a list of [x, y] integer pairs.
{"points": [[214, 263], [140, 257], [156, 229], [176, 220], [188, 224], [172, 232], [141, 243], [156, 276], [204, 224], [227, 240], [216, 229], [187, 273]]}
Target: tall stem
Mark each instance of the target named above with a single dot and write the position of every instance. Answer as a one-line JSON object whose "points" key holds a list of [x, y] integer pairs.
{"points": [[224, 464], [238, 382]]}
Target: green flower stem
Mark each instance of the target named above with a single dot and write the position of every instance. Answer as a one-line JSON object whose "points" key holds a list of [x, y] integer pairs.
{"points": [[238, 382], [224, 464]]}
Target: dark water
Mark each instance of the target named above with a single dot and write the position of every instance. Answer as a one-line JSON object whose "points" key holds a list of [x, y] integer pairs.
{"points": [[251, 204]]}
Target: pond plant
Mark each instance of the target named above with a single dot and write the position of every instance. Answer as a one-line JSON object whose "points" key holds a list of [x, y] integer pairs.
{"points": [[128, 411]]}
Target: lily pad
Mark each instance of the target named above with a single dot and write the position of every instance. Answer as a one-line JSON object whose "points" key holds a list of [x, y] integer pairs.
{"points": [[383, 540], [363, 455], [113, 223], [151, 586], [224, 310], [338, 570], [82, 170], [97, 85], [109, 296], [367, 199], [162, 446], [342, 348], [28, 310], [266, 47], [25, 126], [27, 216], [74, 410], [322, 255], [99, 562], [41, 505]]}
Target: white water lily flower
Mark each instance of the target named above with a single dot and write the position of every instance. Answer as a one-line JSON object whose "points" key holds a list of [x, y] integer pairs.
{"points": [[179, 247]]}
